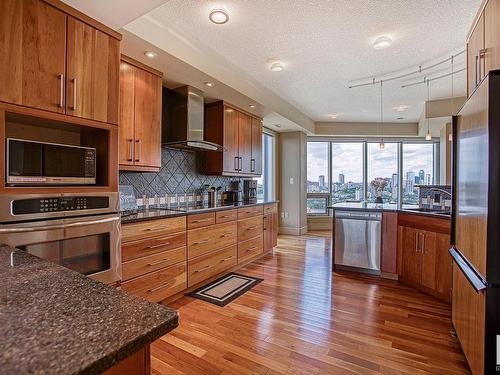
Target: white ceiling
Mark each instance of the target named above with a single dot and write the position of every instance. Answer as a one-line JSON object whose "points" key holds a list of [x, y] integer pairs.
{"points": [[325, 45]]}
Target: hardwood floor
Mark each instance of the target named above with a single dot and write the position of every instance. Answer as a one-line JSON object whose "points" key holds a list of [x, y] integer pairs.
{"points": [[302, 319]]}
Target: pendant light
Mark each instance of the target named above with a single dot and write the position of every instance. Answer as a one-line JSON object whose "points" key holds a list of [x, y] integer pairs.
{"points": [[381, 145], [428, 136]]}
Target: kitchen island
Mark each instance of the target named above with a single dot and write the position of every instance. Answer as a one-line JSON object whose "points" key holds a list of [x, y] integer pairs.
{"points": [[57, 321]]}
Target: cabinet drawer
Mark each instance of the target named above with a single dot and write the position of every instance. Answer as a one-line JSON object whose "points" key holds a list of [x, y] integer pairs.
{"points": [[158, 285], [141, 266], [211, 264], [138, 249], [249, 249], [250, 212], [204, 240], [201, 220], [249, 228], [269, 208], [225, 216], [147, 229]]}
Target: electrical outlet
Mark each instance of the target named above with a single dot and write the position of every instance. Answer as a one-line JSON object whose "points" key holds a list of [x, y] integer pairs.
{"points": [[286, 215], [282, 215], [291, 181]]}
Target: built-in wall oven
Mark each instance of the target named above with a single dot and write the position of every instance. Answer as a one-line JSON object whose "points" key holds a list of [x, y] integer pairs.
{"points": [[80, 232]]}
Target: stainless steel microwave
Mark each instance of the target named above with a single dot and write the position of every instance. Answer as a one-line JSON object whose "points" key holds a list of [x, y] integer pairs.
{"points": [[42, 163]]}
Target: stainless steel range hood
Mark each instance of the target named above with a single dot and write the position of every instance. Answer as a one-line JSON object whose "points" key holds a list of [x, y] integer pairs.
{"points": [[182, 120]]}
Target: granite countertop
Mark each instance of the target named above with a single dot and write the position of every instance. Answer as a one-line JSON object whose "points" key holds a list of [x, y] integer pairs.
{"points": [[159, 213], [387, 207], [56, 321]]}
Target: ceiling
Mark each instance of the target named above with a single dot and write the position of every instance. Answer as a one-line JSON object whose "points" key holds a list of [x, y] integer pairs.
{"points": [[325, 46]]}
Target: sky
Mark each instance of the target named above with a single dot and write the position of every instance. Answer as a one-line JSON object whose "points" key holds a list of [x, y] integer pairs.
{"points": [[348, 160]]}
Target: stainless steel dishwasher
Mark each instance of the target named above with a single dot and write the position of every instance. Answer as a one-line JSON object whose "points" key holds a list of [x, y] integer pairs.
{"points": [[358, 240]]}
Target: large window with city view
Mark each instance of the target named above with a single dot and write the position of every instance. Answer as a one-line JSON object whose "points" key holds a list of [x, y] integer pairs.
{"points": [[265, 187], [340, 171]]}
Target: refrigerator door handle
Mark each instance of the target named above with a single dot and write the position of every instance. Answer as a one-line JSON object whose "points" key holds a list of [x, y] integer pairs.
{"points": [[470, 273]]}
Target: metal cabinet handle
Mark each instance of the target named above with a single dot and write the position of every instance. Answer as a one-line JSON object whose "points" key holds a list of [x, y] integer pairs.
{"points": [[201, 220], [423, 244], [236, 163], [227, 235], [201, 242], [251, 248], [130, 142], [203, 269], [417, 241], [226, 259], [61, 92], [74, 95], [482, 53], [251, 228], [241, 164], [157, 246], [164, 285], [63, 226], [138, 141], [252, 165], [475, 70]]}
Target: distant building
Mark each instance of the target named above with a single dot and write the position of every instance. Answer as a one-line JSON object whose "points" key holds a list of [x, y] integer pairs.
{"points": [[321, 182], [410, 182], [358, 195], [428, 179], [421, 177], [341, 178], [395, 180]]}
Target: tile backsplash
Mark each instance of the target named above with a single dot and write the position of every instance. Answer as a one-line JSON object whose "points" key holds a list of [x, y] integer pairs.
{"points": [[179, 174], [430, 198]]}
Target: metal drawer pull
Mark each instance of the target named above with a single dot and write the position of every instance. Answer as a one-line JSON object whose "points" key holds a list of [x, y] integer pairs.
{"points": [[131, 149], [74, 94], [236, 163], [201, 242], [138, 141], [203, 269], [226, 259], [201, 220], [251, 228], [156, 263], [63, 226], [252, 248], [227, 234], [157, 246], [165, 285], [61, 93]]}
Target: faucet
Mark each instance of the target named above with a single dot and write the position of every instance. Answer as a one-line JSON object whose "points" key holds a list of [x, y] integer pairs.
{"points": [[440, 191]]}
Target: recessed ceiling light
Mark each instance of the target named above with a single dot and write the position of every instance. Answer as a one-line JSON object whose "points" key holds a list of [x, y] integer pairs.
{"points": [[150, 54], [382, 42], [333, 116], [251, 106], [276, 67], [218, 16], [277, 125], [209, 84], [400, 118], [400, 108]]}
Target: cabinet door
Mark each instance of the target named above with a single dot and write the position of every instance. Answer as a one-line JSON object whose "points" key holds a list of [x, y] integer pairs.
{"points": [[444, 275], [268, 232], [428, 253], [275, 225], [474, 46], [389, 242], [126, 119], [411, 259], [491, 59], [93, 73], [147, 119], [32, 54], [230, 140], [245, 142], [256, 161]]}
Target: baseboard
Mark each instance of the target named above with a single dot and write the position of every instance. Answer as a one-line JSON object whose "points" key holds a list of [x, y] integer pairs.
{"points": [[390, 276], [293, 231]]}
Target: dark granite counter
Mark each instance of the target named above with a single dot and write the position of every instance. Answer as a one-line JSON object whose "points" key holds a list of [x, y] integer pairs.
{"points": [[374, 207], [57, 321], [159, 213]]}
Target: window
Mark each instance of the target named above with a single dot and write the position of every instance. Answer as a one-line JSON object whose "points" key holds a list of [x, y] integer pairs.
{"points": [[355, 171], [265, 183], [383, 177], [347, 172], [418, 169]]}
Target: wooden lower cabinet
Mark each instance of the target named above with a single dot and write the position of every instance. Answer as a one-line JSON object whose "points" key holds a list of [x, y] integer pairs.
{"points": [[211, 264], [249, 228], [268, 232], [250, 249], [158, 285], [138, 363], [148, 229], [150, 263], [423, 244], [204, 240]]}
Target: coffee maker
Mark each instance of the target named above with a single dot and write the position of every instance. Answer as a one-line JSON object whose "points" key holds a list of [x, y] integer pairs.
{"points": [[250, 190], [233, 194]]}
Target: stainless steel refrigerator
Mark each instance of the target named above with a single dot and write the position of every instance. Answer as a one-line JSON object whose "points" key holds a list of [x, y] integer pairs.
{"points": [[476, 227]]}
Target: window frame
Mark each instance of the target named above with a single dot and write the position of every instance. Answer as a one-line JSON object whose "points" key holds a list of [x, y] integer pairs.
{"points": [[366, 141], [269, 192]]}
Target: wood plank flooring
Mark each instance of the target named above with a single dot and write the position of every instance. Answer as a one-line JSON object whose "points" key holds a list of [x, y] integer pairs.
{"points": [[304, 319]]}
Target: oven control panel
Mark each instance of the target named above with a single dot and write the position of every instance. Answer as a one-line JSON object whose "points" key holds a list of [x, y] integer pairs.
{"points": [[58, 204]]}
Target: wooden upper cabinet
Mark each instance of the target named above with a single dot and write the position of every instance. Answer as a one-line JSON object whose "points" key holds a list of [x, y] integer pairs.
{"points": [[491, 59], [244, 142], [32, 54], [140, 116], [93, 59], [238, 132], [475, 46], [256, 161], [230, 138], [126, 118]]}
